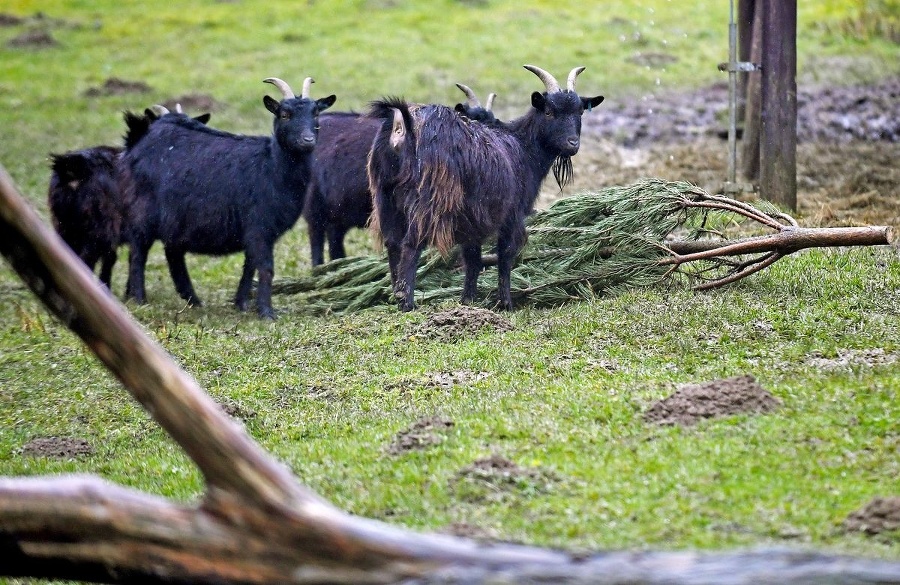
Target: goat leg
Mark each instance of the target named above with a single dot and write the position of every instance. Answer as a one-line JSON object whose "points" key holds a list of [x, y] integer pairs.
{"points": [[509, 243], [242, 296], [106, 266], [406, 271], [180, 277], [472, 258], [137, 264], [265, 269], [336, 242]]}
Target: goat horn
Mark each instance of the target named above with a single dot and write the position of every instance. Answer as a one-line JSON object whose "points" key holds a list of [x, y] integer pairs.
{"points": [[283, 86], [470, 95], [490, 101], [549, 81], [160, 110], [306, 83], [178, 109], [570, 82]]}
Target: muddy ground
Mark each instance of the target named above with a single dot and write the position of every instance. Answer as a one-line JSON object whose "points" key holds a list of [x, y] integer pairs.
{"points": [[847, 153]]}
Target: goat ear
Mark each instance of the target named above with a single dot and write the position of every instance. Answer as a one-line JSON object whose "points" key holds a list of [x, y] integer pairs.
{"points": [[271, 104], [153, 116], [326, 102], [590, 103], [203, 118], [538, 100], [70, 167], [398, 130]]}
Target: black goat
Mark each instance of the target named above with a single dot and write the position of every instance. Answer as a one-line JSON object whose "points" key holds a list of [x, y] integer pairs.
{"points": [[440, 179], [338, 198], [86, 205], [205, 191], [473, 109]]}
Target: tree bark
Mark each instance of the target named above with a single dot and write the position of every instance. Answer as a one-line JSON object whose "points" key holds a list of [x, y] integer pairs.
{"points": [[752, 104], [256, 522], [778, 134]]}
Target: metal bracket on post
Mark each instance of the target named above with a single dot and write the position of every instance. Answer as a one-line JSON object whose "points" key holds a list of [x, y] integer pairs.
{"points": [[733, 67]]}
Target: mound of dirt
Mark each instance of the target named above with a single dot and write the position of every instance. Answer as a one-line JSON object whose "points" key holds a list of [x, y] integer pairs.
{"points": [[467, 530], [57, 447], [458, 322], [236, 410], [34, 39], [7, 19], [878, 516], [692, 403], [420, 435], [117, 86], [496, 476]]}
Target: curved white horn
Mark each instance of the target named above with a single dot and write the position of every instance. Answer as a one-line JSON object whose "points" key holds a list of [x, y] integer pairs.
{"points": [[470, 95], [490, 101], [283, 86], [570, 82], [178, 109], [549, 81], [160, 110], [306, 83]]}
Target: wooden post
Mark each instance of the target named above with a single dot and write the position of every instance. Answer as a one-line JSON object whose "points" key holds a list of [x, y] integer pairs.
{"points": [[750, 157], [746, 9], [778, 133]]}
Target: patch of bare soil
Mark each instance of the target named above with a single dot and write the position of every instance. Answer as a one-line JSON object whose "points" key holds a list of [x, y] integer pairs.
{"points": [[467, 530], [692, 403], [458, 322], [117, 86], [850, 358], [33, 39], [420, 435], [497, 476], [57, 447], [196, 103], [235, 409], [879, 516], [7, 19]]}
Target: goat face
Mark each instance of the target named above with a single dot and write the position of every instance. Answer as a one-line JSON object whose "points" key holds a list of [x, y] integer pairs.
{"points": [[296, 124], [560, 130]]}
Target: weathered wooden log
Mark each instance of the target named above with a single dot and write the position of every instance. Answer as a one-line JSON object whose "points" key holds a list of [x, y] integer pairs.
{"points": [[256, 523]]}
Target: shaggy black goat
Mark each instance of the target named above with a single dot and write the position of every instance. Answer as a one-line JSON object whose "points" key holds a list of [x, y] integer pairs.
{"points": [[440, 179], [86, 205], [205, 191], [338, 198]]}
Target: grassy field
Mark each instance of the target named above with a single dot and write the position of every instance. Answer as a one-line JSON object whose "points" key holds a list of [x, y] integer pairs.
{"points": [[562, 394]]}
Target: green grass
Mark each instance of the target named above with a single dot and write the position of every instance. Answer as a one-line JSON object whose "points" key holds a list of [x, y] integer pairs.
{"points": [[564, 390]]}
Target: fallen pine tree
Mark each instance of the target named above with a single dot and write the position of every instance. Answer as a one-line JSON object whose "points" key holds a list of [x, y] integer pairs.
{"points": [[649, 233], [256, 523]]}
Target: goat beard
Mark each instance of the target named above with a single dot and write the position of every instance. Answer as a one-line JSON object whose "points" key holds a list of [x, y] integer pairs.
{"points": [[562, 171]]}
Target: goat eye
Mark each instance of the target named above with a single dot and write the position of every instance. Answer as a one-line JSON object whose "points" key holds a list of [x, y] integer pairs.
{"points": [[285, 116], [548, 113]]}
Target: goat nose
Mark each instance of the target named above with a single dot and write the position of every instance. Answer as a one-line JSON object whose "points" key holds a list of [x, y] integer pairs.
{"points": [[573, 142]]}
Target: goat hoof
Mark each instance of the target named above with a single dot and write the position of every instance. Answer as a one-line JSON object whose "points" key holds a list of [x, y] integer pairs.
{"points": [[267, 314], [194, 302]]}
